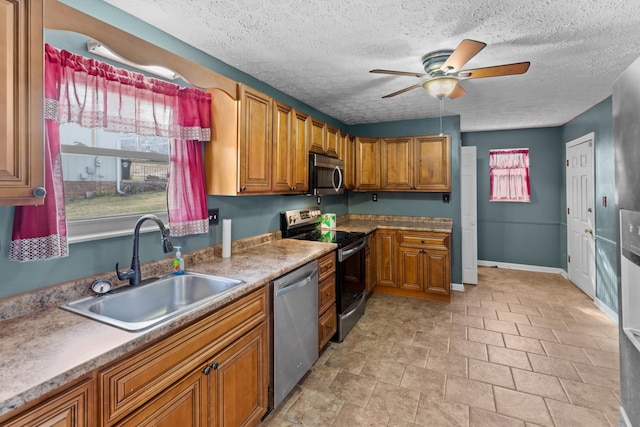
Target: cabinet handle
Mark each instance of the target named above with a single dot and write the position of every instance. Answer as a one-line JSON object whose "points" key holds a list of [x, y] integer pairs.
{"points": [[206, 370], [214, 366]]}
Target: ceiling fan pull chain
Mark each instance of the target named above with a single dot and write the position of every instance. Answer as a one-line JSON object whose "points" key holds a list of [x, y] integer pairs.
{"points": [[441, 111]]}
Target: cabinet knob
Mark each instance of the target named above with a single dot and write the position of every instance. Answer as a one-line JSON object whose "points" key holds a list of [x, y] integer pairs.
{"points": [[206, 370], [328, 294], [423, 242], [39, 192], [329, 326], [214, 366], [243, 188]]}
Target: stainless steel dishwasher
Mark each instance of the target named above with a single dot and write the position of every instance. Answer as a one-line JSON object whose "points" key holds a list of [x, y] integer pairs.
{"points": [[295, 328]]}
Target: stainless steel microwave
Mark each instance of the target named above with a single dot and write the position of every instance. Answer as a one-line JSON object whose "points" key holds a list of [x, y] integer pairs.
{"points": [[325, 175]]}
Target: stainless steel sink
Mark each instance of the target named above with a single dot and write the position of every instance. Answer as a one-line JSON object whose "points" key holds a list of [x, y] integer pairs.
{"points": [[138, 307]]}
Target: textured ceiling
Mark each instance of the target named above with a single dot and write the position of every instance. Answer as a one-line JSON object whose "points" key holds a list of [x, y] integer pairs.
{"points": [[320, 52]]}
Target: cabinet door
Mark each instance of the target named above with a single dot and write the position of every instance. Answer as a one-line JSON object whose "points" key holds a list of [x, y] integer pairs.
{"points": [[367, 164], [432, 168], [348, 156], [410, 269], [71, 408], [21, 102], [332, 142], [327, 326], [301, 158], [318, 135], [397, 159], [239, 380], [255, 142], [385, 248], [436, 272], [370, 262], [284, 148], [183, 404]]}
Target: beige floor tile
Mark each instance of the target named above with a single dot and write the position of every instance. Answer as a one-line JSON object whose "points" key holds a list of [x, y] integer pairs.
{"points": [[503, 297], [435, 412], [470, 349], [547, 322], [399, 334], [449, 330], [579, 340], [352, 388], [530, 345], [590, 396], [608, 344], [539, 384], [564, 414], [491, 373], [275, 421], [597, 375], [469, 392], [431, 341], [484, 336], [534, 302], [562, 351], [523, 406], [386, 370], [582, 328], [396, 402], [396, 422], [452, 364], [409, 354], [351, 415], [482, 418], [603, 358], [513, 317], [552, 366], [485, 312], [525, 309], [537, 332], [498, 305], [501, 326], [509, 357], [319, 377], [313, 408], [464, 320], [424, 380]]}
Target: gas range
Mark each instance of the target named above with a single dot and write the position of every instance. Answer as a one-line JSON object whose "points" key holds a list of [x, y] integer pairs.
{"points": [[302, 224]]}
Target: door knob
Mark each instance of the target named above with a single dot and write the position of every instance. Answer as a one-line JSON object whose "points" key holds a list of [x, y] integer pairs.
{"points": [[588, 230]]}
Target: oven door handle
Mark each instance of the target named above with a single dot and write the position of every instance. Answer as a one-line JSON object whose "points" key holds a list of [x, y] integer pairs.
{"points": [[333, 178], [344, 254]]}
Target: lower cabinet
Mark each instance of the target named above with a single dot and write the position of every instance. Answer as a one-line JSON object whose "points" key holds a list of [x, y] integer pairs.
{"points": [[327, 314], [72, 407], [414, 263]]}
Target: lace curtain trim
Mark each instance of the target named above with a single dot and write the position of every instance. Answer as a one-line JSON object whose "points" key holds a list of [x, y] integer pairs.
{"points": [[39, 248]]}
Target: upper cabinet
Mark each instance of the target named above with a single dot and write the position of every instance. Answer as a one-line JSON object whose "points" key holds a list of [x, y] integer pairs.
{"points": [[348, 156], [367, 164], [332, 142], [22, 103], [432, 166], [396, 164]]}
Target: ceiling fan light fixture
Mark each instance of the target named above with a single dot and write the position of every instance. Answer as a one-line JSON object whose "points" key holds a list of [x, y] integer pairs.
{"points": [[439, 87]]}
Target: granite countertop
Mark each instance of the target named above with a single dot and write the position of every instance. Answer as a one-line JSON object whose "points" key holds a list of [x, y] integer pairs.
{"points": [[370, 223], [50, 347]]}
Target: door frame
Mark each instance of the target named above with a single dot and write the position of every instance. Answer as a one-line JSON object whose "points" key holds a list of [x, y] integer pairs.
{"points": [[469, 203], [568, 192]]}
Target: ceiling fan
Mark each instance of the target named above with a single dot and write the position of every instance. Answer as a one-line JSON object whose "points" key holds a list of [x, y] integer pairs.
{"points": [[442, 74]]}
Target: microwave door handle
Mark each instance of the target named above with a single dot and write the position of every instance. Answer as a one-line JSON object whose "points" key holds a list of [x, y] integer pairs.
{"points": [[333, 180]]}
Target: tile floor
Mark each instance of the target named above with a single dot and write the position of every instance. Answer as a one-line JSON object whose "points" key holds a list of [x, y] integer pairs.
{"points": [[520, 349]]}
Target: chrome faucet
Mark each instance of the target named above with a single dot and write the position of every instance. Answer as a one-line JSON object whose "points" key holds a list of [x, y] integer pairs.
{"points": [[133, 274]]}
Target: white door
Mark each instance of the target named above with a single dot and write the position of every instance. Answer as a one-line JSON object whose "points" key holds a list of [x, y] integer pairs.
{"points": [[580, 213], [469, 195]]}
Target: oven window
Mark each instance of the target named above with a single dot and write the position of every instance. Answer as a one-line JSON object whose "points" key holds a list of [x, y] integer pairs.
{"points": [[351, 280]]}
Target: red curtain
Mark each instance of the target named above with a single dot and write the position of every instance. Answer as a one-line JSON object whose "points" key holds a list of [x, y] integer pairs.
{"points": [[94, 94]]}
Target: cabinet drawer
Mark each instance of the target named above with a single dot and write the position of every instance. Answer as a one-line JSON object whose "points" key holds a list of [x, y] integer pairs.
{"points": [[326, 266], [327, 326], [433, 240], [139, 377], [326, 293]]}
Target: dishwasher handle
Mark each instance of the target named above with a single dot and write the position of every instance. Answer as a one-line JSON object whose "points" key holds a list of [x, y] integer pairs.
{"points": [[287, 287]]}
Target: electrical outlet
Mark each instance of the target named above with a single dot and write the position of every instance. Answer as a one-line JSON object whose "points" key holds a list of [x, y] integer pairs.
{"points": [[213, 216], [445, 198], [374, 197]]}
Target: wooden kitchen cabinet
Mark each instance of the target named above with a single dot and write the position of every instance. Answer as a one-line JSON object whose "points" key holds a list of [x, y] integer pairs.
{"points": [[432, 165], [318, 135], [327, 313], [284, 148], [367, 164], [386, 257], [348, 156], [396, 157], [332, 142], [195, 370], [22, 102], [239, 156], [301, 132], [370, 262], [72, 407]]}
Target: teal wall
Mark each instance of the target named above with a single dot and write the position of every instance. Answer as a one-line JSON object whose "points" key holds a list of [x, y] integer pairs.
{"points": [[417, 204], [515, 232], [599, 119]]}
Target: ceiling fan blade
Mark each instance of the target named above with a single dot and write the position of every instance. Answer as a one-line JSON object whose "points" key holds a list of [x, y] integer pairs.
{"points": [[498, 70], [457, 92], [406, 89], [466, 50], [399, 73]]}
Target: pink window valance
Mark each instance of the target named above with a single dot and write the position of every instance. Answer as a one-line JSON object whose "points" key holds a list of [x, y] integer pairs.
{"points": [[509, 175]]}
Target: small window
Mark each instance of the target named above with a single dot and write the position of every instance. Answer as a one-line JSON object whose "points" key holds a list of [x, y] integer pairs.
{"points": [[111, 179], [509, 175]]}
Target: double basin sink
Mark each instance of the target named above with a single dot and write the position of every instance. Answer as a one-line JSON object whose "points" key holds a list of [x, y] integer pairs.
{"points": [[134, 308]]}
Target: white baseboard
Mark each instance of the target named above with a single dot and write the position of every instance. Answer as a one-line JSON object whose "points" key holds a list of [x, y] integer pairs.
{"points": [[625, 418], [525, 267], [606, 310], [457, 287]]}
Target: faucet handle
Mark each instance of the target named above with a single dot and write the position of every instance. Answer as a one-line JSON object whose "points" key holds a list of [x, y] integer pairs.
{"points": [[124, 275]]}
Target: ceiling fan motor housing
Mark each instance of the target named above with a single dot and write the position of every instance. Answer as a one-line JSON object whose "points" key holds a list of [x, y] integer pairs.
{"points": [[432, 62]]}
